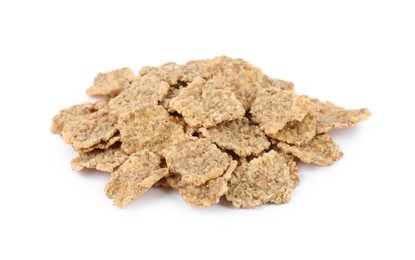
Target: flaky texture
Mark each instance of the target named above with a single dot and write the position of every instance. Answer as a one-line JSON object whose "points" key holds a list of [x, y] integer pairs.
{"points": [[239, 136], [196, 160], [103, 160], [203, 105], [274, 107], [208, 193], [86, 125], [147, 127], [111, 83], [134, 177], [143, 90], [322, 150], [264, 179], [206, 128], [328, 116]]}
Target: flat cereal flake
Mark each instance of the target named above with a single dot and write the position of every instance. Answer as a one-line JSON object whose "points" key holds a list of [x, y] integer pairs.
{"points": [[147, 127], [134, 177], [143, 90], [328, 116], [86, 125], [239, 136], [322, 150], [298, 132], [103, 160], [210, 192], [264, 179], [274, 108], [111, 83], [202, 105], [196, 159], [238, 76]]}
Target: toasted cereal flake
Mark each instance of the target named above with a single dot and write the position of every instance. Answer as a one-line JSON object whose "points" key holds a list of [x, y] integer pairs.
{"points": [[239, 136], [196, 160], [328, 116], [103, 160], [243, 79], [111, 83], [86, 125], [321, 150], [264, 179], [147, 127], [210, 192], [173, 73], [102, 145], [134, 177], [274, 108], [202, 105], [294, 171], [143, 90], [298, 132]]}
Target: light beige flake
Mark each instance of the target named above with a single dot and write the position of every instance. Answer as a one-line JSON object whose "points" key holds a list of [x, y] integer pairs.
{"points": [[175, 74], [111, 83], [202, 105], [274, 108], [134, 177], [103, 160], [147, 127], [239, 136], [210, 192], [264, 179], [322, 150], [278, 83], [328, 116], [102, 145], [238, 76], [86, 125], [196, 160], [298, 132], [143, 90]]}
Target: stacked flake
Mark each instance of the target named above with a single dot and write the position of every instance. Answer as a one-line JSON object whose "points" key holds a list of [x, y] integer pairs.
{"points": [[208, 128]]}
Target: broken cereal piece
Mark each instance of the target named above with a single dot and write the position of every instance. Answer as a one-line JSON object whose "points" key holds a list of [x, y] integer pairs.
{"points": [[196, 160], [111, 83], [134, 177], [321, 150], [203, 105], [239, 136], [298, 132], [147, 127], [264, 179], [102, 160]]}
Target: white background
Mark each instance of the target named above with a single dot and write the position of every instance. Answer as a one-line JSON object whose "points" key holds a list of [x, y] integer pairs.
{"points": [[355, 54]]}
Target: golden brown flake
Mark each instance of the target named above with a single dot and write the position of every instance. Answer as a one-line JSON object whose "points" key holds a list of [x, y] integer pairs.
{"points": [[210, 192], [322, 150], [86, 125], [238, 76], [134, 177], [328, 116], [103, 160], [275, 107], [143, 90], [111, 83], [203, 105], [298, 132], [196, 160], [264, 179], [239, 136], [147, 127]]}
